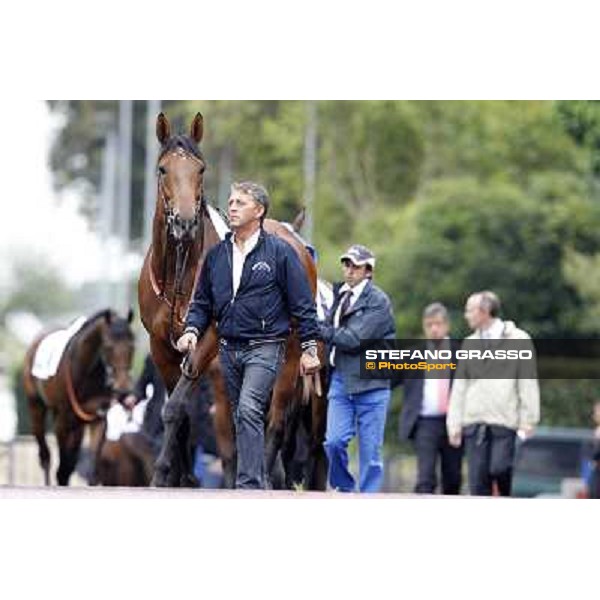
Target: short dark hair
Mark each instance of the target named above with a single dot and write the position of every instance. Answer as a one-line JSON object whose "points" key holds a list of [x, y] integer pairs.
{"points": [[434, 309]]}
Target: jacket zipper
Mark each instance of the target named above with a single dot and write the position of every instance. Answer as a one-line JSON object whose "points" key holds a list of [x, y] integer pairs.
{"points": [[227, 250]]}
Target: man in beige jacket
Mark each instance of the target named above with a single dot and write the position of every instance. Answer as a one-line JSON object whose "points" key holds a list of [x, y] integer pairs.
{"points": [[488, 413]]}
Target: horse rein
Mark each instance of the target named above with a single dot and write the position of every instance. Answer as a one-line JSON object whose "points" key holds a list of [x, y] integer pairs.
{"points": [[86, 417], [75, 404], [182, 248]]}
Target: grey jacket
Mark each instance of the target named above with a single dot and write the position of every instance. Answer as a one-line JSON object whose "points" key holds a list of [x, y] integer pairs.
{"points": [[371, 317]]}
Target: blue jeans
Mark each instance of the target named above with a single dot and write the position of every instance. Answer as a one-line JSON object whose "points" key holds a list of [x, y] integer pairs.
{"points": [[250, 372], [348, 415]]}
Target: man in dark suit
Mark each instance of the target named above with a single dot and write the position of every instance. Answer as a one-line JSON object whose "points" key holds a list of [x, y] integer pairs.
{"points": [[424, 410]]}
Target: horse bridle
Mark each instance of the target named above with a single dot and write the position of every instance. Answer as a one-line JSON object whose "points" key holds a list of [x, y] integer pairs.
{"points": [[183, 244]]}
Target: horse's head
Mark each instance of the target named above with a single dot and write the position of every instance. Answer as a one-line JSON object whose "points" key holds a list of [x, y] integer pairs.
{"points": [[181, 177], [117, 351]]}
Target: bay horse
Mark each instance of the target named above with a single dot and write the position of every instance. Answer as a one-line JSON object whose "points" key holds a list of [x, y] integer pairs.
{"points": [[302, 451], [183, 232], [95, 367]]}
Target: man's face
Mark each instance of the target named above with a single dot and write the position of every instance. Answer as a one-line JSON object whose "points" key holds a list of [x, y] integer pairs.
{"points": [[353, 275], [435, 327], [474, 314], [242, 209]]}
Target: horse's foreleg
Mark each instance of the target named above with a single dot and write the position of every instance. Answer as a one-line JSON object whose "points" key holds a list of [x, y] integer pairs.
{"points": [[223, 423], [167, 467], [69, 437], [97, 440], [140, 451], [274, 436], [283, 394], [317, 475], [37, 413]]}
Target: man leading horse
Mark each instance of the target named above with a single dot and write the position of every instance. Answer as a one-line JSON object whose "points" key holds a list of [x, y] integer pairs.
{"points": [[252, 283]]}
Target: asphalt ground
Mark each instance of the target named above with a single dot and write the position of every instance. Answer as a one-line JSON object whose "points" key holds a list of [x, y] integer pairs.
{"points": [[105, 493]]}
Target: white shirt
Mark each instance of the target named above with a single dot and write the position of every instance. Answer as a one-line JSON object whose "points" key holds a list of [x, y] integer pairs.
{"points": [[356, 292], [494, 331], [430, 403], [239, 257]]}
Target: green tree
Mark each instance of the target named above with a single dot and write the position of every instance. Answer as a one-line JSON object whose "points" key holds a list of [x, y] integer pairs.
{"points": [[39, 288], [466, 236]]}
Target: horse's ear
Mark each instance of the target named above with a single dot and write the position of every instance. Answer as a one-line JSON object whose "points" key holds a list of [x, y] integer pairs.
{"points": [[299, 220], [130, 315], [108, 316], [197, 128], [163, 128]]}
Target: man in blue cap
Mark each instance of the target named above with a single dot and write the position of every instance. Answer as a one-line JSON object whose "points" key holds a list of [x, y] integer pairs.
{"points": [[356, 407]]}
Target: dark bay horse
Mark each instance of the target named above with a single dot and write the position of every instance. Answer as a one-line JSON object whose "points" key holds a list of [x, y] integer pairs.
{"points": [[94, 368], [183, 232]]}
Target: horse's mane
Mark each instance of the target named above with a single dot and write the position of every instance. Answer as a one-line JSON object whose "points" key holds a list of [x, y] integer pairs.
{"points": [[181, 141]]}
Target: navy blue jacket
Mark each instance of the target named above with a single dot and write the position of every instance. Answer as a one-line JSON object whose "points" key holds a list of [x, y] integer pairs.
{"points": [[413, 399], [273, 288], [370, 317]]}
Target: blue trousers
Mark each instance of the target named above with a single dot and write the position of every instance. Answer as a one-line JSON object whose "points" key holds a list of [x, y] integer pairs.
{"points": [[350, 415], [250, 373]]}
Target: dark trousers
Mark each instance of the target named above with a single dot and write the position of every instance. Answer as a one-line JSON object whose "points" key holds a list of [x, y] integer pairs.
{"points": [[250, 371], [431, 443], [490, 454]]}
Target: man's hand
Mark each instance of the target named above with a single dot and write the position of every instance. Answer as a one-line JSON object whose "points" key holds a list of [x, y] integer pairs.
{"points": [[525, 432], [187, 342], [455, 440], [309, 362]]}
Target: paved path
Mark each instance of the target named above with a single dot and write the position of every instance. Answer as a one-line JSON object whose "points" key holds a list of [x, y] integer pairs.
{"points": [[101, 493]]}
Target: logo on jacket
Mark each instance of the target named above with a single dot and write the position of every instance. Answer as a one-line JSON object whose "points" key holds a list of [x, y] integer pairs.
{"points": [[261, 266]]}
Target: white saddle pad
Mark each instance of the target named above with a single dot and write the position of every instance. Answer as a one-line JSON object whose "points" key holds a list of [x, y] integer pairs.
{"points": [[218, 222], [51, 348], [324, 298]]}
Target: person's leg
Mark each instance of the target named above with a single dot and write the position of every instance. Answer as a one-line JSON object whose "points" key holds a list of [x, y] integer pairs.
{"points": [[232, 377], [426, 449], [340, 430], [502, 458], [261, 364], [451, 466], [477, 445], [232, 374], [371, 413]]}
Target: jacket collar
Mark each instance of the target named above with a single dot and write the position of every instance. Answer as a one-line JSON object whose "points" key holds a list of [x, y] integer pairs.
{"points": [[363, 299], [261, 236]]}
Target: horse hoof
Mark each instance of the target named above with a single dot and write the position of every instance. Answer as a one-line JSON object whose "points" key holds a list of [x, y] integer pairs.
{"points": [[189, 481], [160, 477]]}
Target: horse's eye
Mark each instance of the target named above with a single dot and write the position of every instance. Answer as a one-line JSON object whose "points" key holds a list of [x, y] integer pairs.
{"points": [[202, 169], [162, 170]]}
